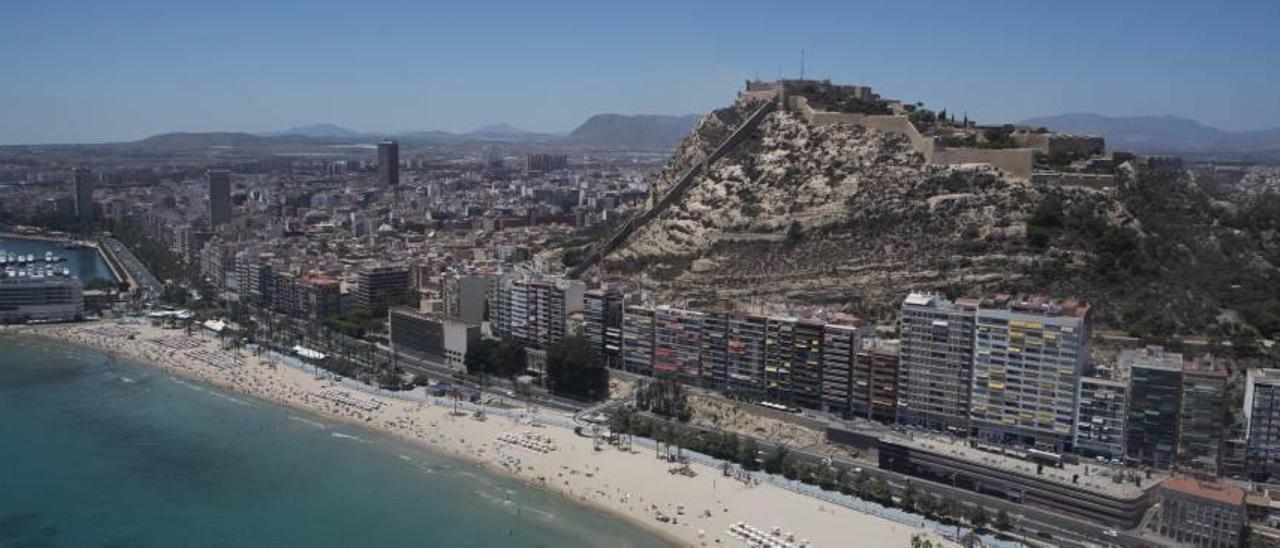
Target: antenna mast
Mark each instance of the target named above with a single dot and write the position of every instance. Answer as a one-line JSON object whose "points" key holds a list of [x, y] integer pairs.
{"points": [[802, 64]]}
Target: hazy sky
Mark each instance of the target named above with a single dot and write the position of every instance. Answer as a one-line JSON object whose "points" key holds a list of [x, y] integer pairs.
{"points": [[121, 70]]}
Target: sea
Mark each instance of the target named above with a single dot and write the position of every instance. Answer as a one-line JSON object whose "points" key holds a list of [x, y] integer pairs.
{"points": [[96, 451], [99, 451]]}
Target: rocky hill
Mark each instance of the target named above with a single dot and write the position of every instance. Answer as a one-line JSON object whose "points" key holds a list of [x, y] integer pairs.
{"points": [[848, 218]]}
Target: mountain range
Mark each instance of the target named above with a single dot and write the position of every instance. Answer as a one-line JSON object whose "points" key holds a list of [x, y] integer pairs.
{"points": [[603, 131], [1168, 135], [642, 131]]}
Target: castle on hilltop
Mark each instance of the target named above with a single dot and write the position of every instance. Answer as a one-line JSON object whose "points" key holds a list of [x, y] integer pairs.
{"points": [[1019, 152]]}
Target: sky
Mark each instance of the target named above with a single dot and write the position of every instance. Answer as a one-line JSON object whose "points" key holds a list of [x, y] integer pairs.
{"points": [[118, 70]]}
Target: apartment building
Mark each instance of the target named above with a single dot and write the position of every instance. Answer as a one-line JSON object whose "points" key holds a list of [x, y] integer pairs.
{"points": [[742, 359], [637, 339], [465, 296], [779, 350], [1202, 419], [876, 366], [936, 362], [806, 365], [677, 344], [1262, 423], [840, 345], [1200, 513], [381, 287], [1101, 415], [602, 323], [1155, 395], [534, 310], [1028, 359]]}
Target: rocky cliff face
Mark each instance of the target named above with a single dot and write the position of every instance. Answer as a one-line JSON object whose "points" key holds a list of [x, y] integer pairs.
{"points": [[852, 219]]}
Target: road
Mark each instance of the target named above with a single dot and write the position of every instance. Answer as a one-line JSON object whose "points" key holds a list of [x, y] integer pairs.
{"points": [[1033, 522]]}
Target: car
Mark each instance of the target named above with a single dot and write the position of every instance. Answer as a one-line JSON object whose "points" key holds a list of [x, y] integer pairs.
{"points": [[1111, 533]]}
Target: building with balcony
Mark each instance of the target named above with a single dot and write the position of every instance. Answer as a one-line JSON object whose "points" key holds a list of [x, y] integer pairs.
{"points": [[1102, 412], [677, 344], [534, 310], [840, 374], [602, 323], [380, 287], [1202, 420], [1028, 359], [637, 339], [936, 362]]}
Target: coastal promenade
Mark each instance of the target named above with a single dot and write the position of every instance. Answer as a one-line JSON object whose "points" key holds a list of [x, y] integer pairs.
{"points": [[695, 506], [569, 423]]}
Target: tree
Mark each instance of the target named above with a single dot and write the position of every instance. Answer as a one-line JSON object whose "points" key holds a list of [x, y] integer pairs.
{"points": [[574, 368], [776, 461], [878, 490], [1003, 522], [949, 507], [910, 498], [507, 359], [478, 354], [795, 233], [389, 377], [978, 516], [919, 541], [748, 453]]}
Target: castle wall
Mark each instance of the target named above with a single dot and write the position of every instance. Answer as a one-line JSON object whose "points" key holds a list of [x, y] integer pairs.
{"points": [[1097, 181], [1017, 163], [1080, 146]]}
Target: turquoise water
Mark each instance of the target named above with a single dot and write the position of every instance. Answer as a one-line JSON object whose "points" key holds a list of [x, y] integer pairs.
{"points": [[97, 452], [85, 264]]}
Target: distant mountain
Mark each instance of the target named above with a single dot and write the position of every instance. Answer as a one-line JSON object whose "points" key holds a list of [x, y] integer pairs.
{"points": [[1167, 135], [499, 129], [322, 130], [642, 131], [508, 133], [611, 131], [194, 141]]}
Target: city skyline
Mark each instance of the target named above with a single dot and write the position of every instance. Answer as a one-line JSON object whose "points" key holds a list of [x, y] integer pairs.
{"points": [[126, 72]]}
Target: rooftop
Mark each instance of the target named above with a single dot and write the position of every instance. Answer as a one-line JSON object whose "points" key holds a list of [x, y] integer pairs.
{"points": [[1214, 491], [1093, 476], [1151, 357]]}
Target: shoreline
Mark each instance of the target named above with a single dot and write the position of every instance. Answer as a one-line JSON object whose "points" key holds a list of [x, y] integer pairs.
{"points": [[630, 485]]}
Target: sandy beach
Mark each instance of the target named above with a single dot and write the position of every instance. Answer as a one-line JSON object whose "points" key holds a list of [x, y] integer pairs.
{"points": [[632, 484]]}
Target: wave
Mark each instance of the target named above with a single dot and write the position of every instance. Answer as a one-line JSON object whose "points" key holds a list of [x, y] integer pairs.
{"points": [[544, 514], [340, 435], [309, 422], [188, 385], [216, 393]]}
